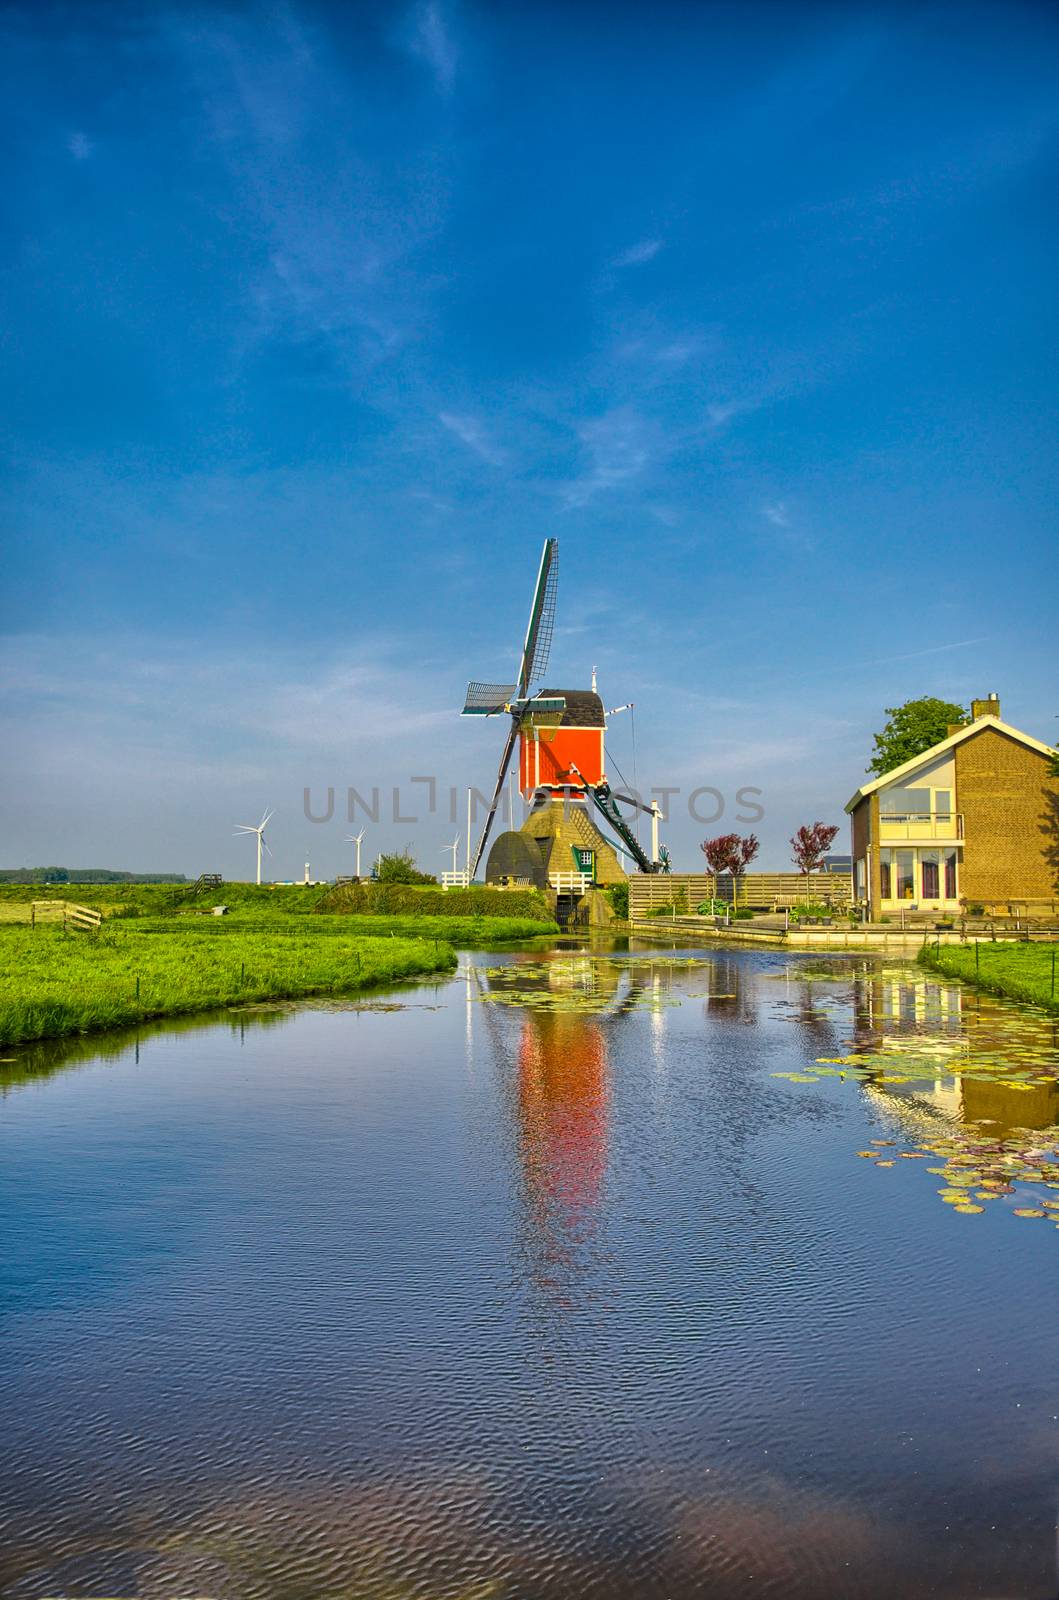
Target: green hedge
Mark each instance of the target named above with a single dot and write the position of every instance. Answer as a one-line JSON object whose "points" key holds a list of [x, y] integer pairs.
{"points": [[386, 899]]}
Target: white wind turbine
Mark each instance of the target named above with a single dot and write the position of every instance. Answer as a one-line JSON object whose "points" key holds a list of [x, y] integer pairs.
{"points": [[356, 839], [262, 842], [455, 848]]}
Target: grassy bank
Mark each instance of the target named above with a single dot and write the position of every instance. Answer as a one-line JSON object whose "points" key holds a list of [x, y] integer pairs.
{"points": [[1018, 971], [52, 984], [454, 930]]}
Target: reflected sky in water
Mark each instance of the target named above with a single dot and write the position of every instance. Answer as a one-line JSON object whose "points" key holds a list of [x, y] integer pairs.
{"points": [[544, 1284]]}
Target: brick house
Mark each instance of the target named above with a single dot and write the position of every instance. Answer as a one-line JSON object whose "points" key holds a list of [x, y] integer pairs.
{"points": [[974, 819]]}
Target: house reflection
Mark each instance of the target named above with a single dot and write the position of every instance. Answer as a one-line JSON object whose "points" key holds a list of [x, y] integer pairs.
{"points": [[966, 1031]]}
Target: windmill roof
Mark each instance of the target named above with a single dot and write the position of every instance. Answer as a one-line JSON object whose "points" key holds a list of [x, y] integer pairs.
{"points": [[583, 708]]}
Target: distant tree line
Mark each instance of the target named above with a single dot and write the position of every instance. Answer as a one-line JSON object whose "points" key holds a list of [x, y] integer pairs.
{"points": [[84, 875]]}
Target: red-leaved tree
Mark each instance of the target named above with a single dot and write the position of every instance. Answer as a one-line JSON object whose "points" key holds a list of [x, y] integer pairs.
{"points": [[730, 853], [810, 845]]}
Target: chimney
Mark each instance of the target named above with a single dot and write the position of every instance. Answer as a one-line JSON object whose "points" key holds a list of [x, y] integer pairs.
{"points": [[989, 707]]}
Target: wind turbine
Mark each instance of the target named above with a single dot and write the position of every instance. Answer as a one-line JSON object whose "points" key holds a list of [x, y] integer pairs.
{"points": [[262, 842], [454, 847], [356, 839]]}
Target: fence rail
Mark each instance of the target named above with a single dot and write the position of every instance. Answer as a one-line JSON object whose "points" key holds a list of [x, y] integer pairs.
{"points": [[67, 912], [570, 882]]}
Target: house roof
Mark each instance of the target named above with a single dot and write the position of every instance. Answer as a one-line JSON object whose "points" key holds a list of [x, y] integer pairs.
{"points": [[927, 756]]}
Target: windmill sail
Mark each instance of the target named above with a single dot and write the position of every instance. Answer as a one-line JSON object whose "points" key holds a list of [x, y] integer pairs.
{"points": [[486, 699], [541, 626], [505, 762]]}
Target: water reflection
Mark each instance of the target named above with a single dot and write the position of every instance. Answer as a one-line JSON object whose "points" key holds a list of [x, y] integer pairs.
{"points": [[27, 1063], [618, 1352]]}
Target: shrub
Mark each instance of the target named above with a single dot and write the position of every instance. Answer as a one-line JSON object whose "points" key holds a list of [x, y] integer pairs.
{"points": [[398, 899], [400, 867], [618, 895]]}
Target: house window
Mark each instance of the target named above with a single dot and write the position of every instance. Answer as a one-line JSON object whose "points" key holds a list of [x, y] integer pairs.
{"points": [[905, 803], [950, 875], [943, 804], [584, 860], [928, 863], [884, 877], [906, 874]]}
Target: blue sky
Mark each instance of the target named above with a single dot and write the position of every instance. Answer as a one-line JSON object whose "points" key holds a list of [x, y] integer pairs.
{"points": [[320, 318]]}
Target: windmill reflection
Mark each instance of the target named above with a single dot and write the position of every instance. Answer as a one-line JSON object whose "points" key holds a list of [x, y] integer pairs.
{"points": [[567, 1007]]}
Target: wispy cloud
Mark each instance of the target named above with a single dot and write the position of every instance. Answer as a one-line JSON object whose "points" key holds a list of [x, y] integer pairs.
{"points": [[80, 146], [279, 108], [640, 253], [432, 43], [932, 650], [777, 514], [618, 449], [471, 433]]}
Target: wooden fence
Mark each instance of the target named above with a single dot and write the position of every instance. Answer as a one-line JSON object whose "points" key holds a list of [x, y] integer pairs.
{"points": [[762, 891], [81, 918]]}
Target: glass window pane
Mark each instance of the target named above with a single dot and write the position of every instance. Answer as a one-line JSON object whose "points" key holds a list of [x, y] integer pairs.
{"points": [[905, 803], [943, 802], [884, 875], [906, 874], [928, 866], [950, 875]]}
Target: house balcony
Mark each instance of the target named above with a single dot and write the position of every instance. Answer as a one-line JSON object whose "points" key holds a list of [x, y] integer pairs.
{"points": [[919, 828]]}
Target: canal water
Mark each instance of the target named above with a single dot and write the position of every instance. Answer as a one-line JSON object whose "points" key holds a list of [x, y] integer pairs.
{"points": [[588, 1272]]}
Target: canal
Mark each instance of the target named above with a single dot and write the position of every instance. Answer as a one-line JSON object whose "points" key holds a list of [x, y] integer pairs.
{"points": [[586, 1272]]}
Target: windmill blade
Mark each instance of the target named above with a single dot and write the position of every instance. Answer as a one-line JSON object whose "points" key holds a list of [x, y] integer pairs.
{"points": [[538, 643], [505, 761], [486, 699], [265, 842], [266, 818], [244, 827]]}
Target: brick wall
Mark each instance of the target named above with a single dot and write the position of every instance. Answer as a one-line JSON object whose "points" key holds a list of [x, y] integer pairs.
{"points": [[1011, 819]]}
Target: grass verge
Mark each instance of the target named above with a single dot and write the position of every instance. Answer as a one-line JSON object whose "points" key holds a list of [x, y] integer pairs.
{"points": [[1017, 971], [52, 984]]}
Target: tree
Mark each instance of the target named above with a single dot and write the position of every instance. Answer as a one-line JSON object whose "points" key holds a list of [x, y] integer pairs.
{"points": [[913, 728], [400, 867], [730, 853], [810, 845]]}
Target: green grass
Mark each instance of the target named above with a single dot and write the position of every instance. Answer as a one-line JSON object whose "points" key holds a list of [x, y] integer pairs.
{"points": [[167, 899], [1018, 971], [455, 930], [53, 984]]}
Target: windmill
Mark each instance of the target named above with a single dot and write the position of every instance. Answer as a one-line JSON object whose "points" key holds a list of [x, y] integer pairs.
{"points": [[488, 699], [561, 757], [356, 840], [454, 847], [262, 842]]}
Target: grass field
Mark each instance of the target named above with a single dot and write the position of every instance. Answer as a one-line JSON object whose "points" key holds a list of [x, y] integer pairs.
{"points": [[455, 930], [53, 984], [1019, 971]]}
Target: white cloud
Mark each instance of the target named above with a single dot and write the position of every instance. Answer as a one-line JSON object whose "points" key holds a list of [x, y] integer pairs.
{"points": [[471, 433], [640, 253], [80, 146], [432, 43], [777, 514], [617, 445]]}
